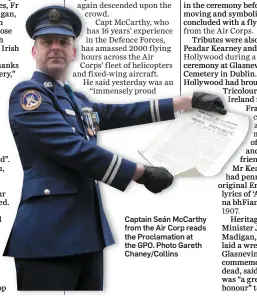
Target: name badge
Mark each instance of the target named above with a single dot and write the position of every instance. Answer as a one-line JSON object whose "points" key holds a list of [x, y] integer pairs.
{"points": [[70, 112]]}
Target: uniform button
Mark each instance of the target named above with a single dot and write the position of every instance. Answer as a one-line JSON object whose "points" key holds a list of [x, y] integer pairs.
{"points": [[46, 191], [96, 181], [73, 129]]}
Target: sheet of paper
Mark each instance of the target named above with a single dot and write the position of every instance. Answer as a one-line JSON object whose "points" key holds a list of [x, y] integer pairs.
{"points": [[198, 142]]}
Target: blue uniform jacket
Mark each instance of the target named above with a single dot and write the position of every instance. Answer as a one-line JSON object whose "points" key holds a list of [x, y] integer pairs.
{"points": [[60, 211]]}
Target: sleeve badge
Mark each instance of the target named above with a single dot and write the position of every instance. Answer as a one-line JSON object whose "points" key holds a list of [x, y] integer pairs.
{"points": [[31, 100]]}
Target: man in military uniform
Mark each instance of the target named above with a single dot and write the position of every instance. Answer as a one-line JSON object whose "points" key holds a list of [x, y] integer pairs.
{"points": [[60, 229]]}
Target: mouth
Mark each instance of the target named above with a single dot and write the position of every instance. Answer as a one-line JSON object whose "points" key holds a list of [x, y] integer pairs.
{"points": [[55, 58], [57, 61]]}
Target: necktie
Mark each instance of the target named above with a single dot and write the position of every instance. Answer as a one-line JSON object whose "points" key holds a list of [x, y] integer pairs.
{"points": [[70, 93], [68, 89]]}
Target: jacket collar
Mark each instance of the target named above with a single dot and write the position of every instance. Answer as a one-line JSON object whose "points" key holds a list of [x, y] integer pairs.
{"points": [[50, 83]]}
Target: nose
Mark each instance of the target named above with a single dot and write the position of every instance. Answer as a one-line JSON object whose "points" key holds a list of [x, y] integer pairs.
{"points": [[56, 45]]}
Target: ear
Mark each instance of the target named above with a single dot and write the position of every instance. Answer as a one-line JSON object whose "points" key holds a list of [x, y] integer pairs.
{"points": [[74, 54], [34, 51]]}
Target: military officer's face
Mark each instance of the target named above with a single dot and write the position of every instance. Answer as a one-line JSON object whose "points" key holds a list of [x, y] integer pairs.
{"points": [[53, 53]]}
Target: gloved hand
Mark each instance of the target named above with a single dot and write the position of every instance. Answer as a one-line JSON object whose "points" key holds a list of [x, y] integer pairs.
{"points": [[156, 179], [208, 102]]}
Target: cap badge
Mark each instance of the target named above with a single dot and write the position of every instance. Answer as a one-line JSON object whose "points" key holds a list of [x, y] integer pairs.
{"points": [[54, 15]]}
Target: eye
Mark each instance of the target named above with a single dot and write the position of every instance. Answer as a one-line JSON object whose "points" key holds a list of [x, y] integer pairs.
{"points": [[64, 41], [47, 41]]}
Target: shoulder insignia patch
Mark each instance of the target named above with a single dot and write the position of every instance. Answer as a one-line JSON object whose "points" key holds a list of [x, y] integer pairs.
{"points": [[31, 100]]}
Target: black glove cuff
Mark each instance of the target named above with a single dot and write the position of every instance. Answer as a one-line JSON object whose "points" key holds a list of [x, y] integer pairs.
{"points": [[195, 99], [144, 178], [156, 179]]}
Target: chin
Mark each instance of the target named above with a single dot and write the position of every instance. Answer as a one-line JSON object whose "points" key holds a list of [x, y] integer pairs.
{"points": [[56, 72], [57, 69]]}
